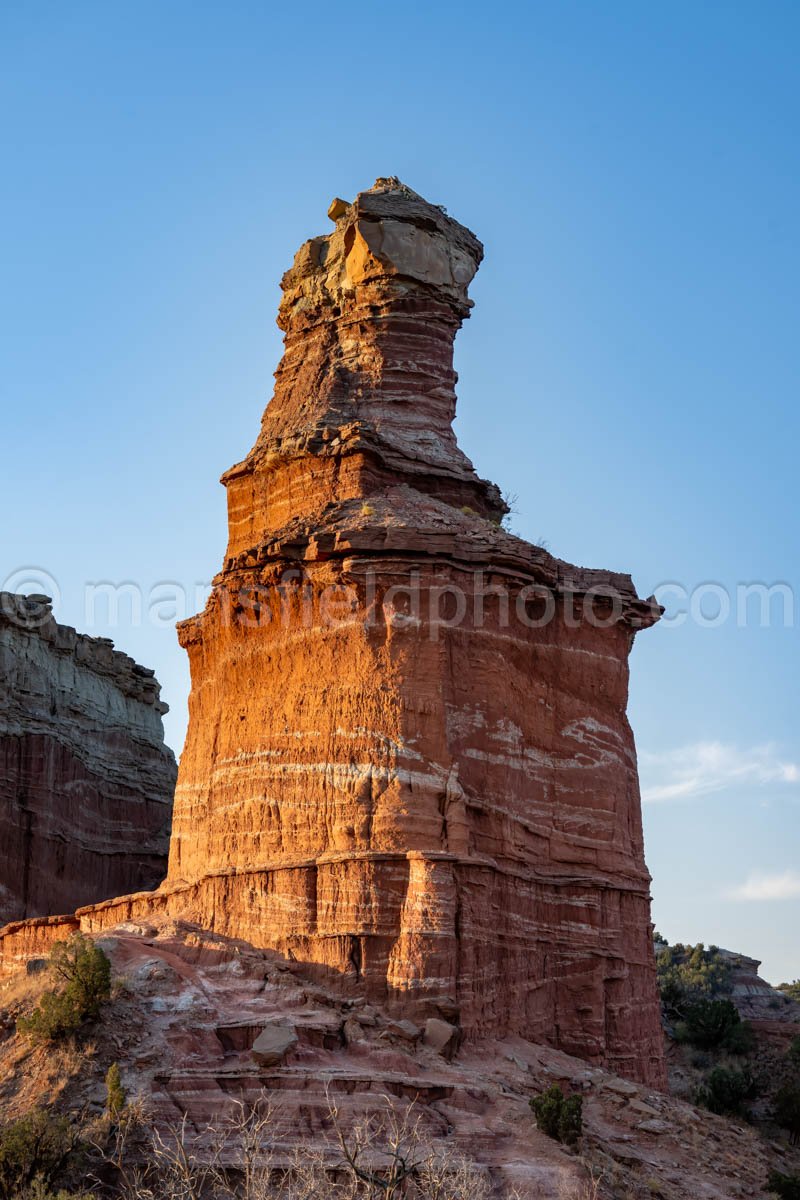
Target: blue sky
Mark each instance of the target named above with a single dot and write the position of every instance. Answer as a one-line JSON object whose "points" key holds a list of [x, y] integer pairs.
{"points": [[630, 370]]}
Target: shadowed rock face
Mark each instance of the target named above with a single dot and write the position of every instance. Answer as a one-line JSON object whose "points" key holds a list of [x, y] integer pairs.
{"points": [[86, 781], [408, 759]]}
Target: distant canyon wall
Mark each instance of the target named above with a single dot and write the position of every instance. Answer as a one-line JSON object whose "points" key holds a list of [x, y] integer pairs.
{"points": [[86, 782]]}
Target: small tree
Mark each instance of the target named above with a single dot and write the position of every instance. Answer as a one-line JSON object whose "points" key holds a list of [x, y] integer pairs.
{"points": [[85, 973], [35, 1149], [792, 990], [86, 970], [687, 974], [725, 1091], [710, 1022], [559, 1116], [55, 1017], [740, 1038], [786, 1110]]}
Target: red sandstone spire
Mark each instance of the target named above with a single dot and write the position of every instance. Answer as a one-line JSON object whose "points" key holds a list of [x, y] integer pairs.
{"points": [[433, 800]]}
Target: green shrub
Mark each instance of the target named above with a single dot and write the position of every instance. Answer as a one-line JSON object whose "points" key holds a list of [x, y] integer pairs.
{"points": [[711, 1023], [786, 1110], [687, 974], [680, 1032], [785, 1186], [86, 975], [708, 1027], [559, 1116], [726, 1090], [34, 1153], [115, 1093], [85, 969], [40, 1191], [792, 990], [55, 1017], [740, 1038]]}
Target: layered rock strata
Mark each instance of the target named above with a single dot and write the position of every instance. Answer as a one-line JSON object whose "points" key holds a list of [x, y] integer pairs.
{"points": [[408, 758], [408, 763], [86, 782]]}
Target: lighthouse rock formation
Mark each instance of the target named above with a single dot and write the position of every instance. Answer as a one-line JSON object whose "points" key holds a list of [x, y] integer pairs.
{"points": [[408, 759], [86, 781], [408, 765]]}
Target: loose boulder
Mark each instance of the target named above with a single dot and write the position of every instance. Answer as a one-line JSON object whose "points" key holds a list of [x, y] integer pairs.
{"points": [[273, 1044]]}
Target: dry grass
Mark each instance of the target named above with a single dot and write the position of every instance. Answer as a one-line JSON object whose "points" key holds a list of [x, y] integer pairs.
{"points": [[32, 1076], [588, 1188], [22, 991], [386, 1156]]}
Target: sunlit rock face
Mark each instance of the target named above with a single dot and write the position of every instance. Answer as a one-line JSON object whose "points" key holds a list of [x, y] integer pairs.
{"points": [[408, 758], [365, 392], [86, 782]]}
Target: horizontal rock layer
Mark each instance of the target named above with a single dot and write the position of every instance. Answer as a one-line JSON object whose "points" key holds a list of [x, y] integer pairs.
{"points": [[445, 820], [86, 781]]}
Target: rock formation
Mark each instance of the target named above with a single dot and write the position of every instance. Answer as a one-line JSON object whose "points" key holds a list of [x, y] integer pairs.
{"points": [[756, 1000], [408, 757], [86, 781], [408, 763]]}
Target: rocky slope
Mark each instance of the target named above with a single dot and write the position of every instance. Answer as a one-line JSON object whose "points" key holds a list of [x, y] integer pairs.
{"points": [[200, 1022], [86, 782]]}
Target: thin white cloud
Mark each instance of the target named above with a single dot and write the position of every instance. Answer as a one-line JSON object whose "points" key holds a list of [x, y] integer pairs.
{"points": [[782, 886], [705, 767]]}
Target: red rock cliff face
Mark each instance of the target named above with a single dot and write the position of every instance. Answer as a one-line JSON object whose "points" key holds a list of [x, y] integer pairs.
{"points": [[86, 781], [408, 759]]}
